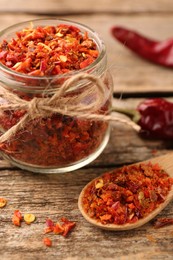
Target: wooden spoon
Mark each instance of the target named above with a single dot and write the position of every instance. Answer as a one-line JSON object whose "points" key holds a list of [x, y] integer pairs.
{"points": [[166, 163]]}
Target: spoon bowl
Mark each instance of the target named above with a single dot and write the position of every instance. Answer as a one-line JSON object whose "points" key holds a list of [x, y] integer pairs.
{"points": [[166, 163]]}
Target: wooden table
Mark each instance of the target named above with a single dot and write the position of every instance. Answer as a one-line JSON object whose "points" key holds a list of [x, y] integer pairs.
{"points": [[54, 195]]}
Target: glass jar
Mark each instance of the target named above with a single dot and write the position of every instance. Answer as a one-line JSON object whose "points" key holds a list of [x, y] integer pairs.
{"points": [[57, 143]]}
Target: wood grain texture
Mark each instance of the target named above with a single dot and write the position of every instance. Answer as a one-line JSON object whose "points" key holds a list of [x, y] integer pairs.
{"points": [[85, 6], [130, 73], [55, 196]]}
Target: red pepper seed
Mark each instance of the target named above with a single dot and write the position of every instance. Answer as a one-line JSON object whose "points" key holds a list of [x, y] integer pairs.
{"points": [[58, 228], [17, 218], [156, 112]]}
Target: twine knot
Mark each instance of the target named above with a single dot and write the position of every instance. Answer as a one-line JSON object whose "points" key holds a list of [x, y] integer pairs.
{"points": [[82, 103], [33, 108]]}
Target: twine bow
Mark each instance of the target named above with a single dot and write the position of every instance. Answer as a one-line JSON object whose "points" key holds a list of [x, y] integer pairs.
{"points": [[83, 104]]}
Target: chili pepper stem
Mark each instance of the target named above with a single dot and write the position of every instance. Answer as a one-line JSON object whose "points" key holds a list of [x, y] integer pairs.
{"points": [[133, 114]]}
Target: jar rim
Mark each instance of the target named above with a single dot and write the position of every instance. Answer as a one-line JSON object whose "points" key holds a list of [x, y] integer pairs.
{"points": [[99, 42]]}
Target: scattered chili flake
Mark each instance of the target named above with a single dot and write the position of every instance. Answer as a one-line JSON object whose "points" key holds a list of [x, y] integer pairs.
{"points": [[3, 202], [161, 222], [59, 228], [151, 238], [50, 226], [29, 218], [67, 226], [17, 218], [48, 50], [127, 194], [47, 241]]}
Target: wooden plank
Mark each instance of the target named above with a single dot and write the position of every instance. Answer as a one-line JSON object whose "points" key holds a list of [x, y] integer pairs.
{"points": [[130, 73], [86, 6], [56, 195], [53, 196]]}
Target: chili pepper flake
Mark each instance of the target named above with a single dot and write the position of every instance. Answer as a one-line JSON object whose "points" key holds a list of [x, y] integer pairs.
{"points": [[99, 184], [50, 226], [17, 218], [59, 228], [29, 218], [49, 223], [3, 202], [47, 241], [151, 238], [127, 194], [161, 222], [67, 226]]}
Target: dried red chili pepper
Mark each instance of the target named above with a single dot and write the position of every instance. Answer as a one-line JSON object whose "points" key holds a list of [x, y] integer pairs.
{"points": [[3, 202], [127, 194], [49, 226], [155, 116], [58, 229], [158, 52], [161, 222]]}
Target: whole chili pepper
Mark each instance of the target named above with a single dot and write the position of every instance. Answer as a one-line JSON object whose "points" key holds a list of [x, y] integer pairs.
{"points": [[155, 116], [158, 52]]}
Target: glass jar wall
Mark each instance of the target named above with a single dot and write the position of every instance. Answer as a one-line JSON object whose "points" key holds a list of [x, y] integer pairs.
{"points": [[58, 142]]}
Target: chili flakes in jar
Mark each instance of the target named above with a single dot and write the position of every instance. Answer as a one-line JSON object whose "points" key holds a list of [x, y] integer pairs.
{"points": [[48, 50], [40, 57]]}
